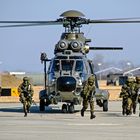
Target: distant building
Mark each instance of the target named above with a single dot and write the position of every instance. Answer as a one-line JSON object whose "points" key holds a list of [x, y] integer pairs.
{"points": [[102, 74], [109, 70], [35, 78], [132, 72], [17, 73]]}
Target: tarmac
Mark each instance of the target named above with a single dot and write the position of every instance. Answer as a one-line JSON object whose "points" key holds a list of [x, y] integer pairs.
{"points": [[54, 125]]}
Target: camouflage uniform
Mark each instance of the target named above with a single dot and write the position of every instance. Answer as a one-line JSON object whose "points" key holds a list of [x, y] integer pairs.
{"points": [[26, 93], [0, 91], [126, 94], [87, 94], [137, 89], [134, 96]]}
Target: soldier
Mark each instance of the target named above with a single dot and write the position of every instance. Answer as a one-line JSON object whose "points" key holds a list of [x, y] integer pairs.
{"points": [[134, 96], [87, 94], [126, 94], [137, 89], [0, 90], [26, 93]]}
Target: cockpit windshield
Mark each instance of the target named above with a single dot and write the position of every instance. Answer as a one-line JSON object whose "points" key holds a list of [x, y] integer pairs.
{"points": [[79, 65], [56, 65], [67, 64]]}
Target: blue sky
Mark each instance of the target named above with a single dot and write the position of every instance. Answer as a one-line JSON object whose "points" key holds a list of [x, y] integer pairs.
{"points": [[20, 47]]}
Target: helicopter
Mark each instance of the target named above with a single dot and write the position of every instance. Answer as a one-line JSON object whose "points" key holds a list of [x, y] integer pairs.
{"points": [[70, 67]]}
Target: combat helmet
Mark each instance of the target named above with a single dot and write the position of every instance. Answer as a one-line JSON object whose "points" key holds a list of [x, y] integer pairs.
{"points": [[91, 78], [137, 78], [130, 80], [25, 79]]}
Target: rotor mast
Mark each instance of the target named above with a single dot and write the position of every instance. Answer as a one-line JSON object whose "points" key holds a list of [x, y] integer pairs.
{"points": [[72, 17]]}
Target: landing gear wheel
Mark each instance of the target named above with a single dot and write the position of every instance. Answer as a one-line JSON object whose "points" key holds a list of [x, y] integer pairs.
{"points": [[71, 108], [42, 105], [105, 105], [99, 103], [64, 108]]}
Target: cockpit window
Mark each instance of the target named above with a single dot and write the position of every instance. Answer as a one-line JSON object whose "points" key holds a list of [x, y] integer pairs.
{"points": [[61, 57], [56, 65], [79, 65], [67, 64], [75, 57]]}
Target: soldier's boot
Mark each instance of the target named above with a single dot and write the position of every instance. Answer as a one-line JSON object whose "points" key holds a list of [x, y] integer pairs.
{"points": [[25, 115], [123, 111], [28, 109], [25, 109], [128, 112], [82, 112], [92, 116], [25, 112], [134, 109]]}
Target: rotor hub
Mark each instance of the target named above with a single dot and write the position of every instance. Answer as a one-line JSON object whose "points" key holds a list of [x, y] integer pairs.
{"points": [[72, 14]]}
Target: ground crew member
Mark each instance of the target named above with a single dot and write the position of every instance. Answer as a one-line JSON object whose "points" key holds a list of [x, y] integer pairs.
{"points": [[25, 94], [126, 93], [88, 96]]}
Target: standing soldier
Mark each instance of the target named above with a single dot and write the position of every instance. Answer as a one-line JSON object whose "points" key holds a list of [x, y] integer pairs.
{"points": [[137, 89], [134, 95], [87, 94], [126, 93], [139, 101], [124, 96], [26, 93]]}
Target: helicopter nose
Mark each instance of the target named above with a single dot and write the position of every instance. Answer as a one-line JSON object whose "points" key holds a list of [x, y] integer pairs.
{"points": [[66, 84]]}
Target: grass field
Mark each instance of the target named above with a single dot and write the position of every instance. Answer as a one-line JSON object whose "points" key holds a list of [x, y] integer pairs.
{"points": [[10, 81]]}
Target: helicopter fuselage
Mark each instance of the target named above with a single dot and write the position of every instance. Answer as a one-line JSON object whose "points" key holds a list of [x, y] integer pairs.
{"points": [[66, 74]]}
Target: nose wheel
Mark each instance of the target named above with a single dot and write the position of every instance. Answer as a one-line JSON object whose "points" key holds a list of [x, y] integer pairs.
{"points": [[68, 108], [64, 108]]}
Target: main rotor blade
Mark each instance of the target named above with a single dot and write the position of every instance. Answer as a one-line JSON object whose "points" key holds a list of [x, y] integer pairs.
{"points": [[64, 22], [33, 22], [132, 18], [106, 48], [112, 21], [28, 23], [24, 25]]}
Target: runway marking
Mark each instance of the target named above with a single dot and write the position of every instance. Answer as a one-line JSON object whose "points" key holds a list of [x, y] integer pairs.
{"points": [[95, 124]]}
